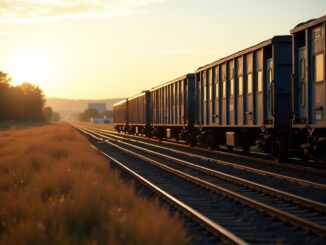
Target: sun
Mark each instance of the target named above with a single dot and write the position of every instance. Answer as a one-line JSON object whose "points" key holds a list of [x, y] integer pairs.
{"points": [[29, 66]]}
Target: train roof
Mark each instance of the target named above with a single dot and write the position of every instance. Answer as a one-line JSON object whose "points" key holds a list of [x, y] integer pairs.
{"points": [[284, 38], [307, 24], [120, 102], [138, 95], [189, 75]]}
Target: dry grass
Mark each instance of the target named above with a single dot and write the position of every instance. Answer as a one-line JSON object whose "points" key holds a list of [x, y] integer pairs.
{"points": [[19, 125], [55, 189]]}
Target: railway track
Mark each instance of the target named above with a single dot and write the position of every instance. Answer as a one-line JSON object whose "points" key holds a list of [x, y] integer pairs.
{"points": [[262, 159], [301, 212], [218, 233], [303, 176]]}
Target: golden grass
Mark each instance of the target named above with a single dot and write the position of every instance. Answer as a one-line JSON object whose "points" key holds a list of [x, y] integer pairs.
{"points": [[5, 125], [56, 189]]}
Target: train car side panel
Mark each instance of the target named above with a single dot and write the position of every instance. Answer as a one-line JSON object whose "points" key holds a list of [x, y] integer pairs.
{"points": [[308, 135], [120, 115]]}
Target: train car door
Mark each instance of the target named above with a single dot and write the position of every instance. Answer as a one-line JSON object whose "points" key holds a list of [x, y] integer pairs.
{"points": [[164, 100], [205, 99], [173, 100], [318, 81], [302, 85], [240, 100], [211, 107], [217, 96], [199, 99], [185, 101], [259, 88], [177, 103], [182, 104], [249, 109], [224, 96], [232, 97], [269, 95], [168, 104], [172, 94], [160, 100], [319, 88]]}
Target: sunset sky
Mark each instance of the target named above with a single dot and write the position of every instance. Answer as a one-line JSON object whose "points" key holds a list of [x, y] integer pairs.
{"points": [[93, 49]]}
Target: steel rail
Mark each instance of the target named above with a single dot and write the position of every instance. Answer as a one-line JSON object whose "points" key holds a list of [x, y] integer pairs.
{"points": [[210, 225], [268, 190], [245, 157], [245, 168], [308, 225]]}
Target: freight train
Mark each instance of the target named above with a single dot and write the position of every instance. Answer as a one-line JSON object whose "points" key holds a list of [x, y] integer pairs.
{"points": [[271, 95]]}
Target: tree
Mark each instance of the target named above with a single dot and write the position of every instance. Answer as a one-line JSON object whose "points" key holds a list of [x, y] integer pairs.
{"points": [[107, 114], [15, 104], [55, 117], [4, 90], [23, 102], [87, 114], [48, 113], [4, 79], [33, 102]]}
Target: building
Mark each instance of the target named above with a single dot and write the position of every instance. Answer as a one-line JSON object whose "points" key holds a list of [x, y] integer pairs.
{"points": [[101, 120], [100, 107]]}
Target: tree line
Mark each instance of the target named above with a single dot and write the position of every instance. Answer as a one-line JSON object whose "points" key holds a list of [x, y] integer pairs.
{"points": [[23, 102], [89, 113]]}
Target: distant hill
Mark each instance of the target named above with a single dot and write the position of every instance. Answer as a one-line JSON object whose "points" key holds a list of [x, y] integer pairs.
{"points": [[69, 109]]}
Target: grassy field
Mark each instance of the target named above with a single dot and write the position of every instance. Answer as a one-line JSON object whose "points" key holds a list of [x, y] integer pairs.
{"points": [[56, 189], [19, 125]]}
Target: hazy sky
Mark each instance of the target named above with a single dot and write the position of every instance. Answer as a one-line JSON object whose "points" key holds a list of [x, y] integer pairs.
{"points": [[94, 49]]}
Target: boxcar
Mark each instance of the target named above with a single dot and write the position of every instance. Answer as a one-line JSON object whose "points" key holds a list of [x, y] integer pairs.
{"points": [[139, 114], [120, 115], [308, 89], [172, 106], [244, 99]]}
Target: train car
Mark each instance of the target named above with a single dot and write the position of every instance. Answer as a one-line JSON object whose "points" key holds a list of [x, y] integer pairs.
{"points": [[244, 99], [120, 115], [139, 117], [172, 106], [308, 133]]}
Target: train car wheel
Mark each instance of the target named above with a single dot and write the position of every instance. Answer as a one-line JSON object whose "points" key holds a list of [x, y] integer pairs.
{"points": [[210, 142], [190, 139], [177, 138], [324, 160], [278, 151], [246, 147]]}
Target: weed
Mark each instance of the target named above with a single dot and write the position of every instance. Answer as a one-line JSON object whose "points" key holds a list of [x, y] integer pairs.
{"points": [[56, 189]]}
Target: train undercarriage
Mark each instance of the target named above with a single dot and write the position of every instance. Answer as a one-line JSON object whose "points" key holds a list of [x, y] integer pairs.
{"points": [[302, 143], [308, 143], [269, 141]]}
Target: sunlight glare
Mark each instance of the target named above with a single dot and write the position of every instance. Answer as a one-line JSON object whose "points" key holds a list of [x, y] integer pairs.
{"points": [[29, 67]]}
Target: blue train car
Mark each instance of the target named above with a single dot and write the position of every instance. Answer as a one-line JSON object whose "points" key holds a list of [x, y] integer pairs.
{"points": [[139, 116], [172, 106], [308, 134], [244, 99], [133, 115]]}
